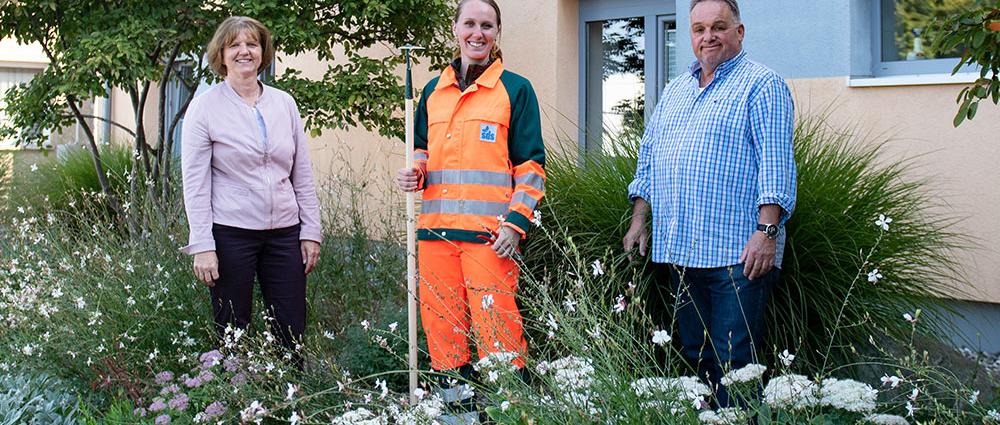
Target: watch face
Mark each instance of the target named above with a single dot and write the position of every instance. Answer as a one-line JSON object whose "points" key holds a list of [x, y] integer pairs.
{"points": [[772, 231]]}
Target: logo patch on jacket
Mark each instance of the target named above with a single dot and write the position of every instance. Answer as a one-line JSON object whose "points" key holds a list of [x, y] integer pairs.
{"points": [[488, 133]]}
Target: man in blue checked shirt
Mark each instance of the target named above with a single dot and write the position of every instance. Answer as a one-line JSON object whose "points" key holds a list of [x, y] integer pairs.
{"points": [[717, 169]]}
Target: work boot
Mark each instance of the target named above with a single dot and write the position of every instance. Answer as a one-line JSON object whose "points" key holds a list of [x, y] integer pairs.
{"points": [[458, 397]]}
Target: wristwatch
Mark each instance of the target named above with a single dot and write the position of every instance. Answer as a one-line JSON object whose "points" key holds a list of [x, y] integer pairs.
{"points": [[771, 230]]}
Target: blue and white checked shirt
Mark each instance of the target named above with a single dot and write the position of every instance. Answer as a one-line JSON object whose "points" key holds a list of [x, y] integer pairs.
{"points": [[709, 159]]}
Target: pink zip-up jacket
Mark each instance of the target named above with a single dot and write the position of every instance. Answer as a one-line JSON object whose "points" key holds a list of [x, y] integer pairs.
{"points": [[234, 177]]}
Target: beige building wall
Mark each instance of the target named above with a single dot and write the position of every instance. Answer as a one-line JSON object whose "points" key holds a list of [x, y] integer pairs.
{"points": [[962, 163], [540, 45]]}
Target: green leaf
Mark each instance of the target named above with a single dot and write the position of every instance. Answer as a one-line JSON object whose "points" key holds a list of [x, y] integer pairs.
{"points": [[978, 39], [963, 111], [972, 109]]}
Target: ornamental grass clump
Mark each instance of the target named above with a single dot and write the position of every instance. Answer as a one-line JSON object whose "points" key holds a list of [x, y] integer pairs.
{"points": [[830, 254]]}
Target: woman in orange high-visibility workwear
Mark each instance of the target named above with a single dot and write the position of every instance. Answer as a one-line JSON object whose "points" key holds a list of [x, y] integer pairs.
{"points": [[478, 158]]}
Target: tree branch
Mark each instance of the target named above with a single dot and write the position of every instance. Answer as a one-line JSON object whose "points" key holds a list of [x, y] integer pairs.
{"points": [[112, 122]]}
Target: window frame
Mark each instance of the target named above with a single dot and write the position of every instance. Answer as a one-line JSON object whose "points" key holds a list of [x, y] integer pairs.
{"points": [[882, 68], [654, 14]]}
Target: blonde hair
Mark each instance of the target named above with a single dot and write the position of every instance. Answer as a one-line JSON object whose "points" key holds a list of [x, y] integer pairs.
{"points": [[231, 28], [495, 52]]}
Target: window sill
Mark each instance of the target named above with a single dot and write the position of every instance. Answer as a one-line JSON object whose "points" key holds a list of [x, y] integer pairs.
{"points": [[913, 80]]}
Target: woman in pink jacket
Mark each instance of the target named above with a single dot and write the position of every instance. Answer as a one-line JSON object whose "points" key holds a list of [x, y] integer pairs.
{"points": [[248, 187]]}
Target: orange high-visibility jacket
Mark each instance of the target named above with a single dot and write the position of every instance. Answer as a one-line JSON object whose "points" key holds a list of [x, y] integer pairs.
{"points": [[480, 155]]}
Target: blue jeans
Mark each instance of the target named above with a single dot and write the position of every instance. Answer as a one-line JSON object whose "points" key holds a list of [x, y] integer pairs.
{"points": [[720, 318]]}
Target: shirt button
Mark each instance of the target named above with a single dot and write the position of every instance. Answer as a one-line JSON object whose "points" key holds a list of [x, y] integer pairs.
{"points": [[444, 190], [444, 233], [447, 136]]}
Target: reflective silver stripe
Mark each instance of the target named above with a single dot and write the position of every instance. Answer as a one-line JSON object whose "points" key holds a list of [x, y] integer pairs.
{"points": [[457, 206], [420, 156], [490, 178], [531, 179], [523, 198], [469, 418]]}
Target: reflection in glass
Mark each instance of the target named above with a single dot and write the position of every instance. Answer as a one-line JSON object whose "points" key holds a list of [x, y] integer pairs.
{"points": [[615, 102], [905, 23]]}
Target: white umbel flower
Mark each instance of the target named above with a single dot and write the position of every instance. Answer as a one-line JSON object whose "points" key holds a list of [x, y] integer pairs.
{"points": [[849, 395], [724, 416], [572, 373], [883, 419], [791, 392], [359, 416], [750, 372]]}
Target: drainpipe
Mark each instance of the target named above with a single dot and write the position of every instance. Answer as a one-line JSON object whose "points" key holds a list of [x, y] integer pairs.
{"points": [[107, 113]]}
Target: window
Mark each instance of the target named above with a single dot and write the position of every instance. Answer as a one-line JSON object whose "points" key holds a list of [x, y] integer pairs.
{"points": [[10, 77], [901, 44], [627, 57]]}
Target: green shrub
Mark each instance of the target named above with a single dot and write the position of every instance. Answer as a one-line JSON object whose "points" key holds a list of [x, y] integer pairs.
{"points": [[35, 400], [842, 189], [66, 180]]}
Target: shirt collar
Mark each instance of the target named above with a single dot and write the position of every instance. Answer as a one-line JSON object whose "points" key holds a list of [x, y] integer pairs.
{"points": [[722, 69], [484, 75], [232, 95]]}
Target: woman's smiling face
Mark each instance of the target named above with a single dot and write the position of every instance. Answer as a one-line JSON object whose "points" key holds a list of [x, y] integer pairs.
{"points": [[476, 31], [242, 56]]}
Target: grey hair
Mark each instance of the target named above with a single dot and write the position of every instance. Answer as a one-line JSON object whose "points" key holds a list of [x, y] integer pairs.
{"points": [[733, 6]]}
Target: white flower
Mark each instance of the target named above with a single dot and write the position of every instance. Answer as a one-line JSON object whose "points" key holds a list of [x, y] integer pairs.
{"points": [[426, 411], [254, 412], [569, 304], [687, 388], [910, 318], [380, 385], [847, 394], [595, 332], [359, 416], [487, 301], [619, 304], [882, 419], [290, 392], [874, 276], [750, 372], [883, 222], [536, 218], [994, 415], [914, 394], [365, 325], [661, 337], [506, 404], [596, 268], [393, 326], [910, 409], [791, 391], [892, 381], [294, 418], [34, 167], [786, 358], [724, 416], [974, 397], [495, 362], [552, 324], [572, 373], [329, 335]]}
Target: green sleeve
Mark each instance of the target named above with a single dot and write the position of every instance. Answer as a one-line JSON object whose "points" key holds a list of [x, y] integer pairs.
{"points": [[420, 121], [524, 135]]}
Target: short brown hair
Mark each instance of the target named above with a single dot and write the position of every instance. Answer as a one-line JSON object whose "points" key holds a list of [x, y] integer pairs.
{"points": [[228, 30]]}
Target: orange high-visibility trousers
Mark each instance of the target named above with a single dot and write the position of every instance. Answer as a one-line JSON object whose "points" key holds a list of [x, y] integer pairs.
{"points": [[467, 292]]}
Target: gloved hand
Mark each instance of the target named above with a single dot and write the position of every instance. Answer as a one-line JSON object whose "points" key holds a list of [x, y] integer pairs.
{"points": [[507, 241]]}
